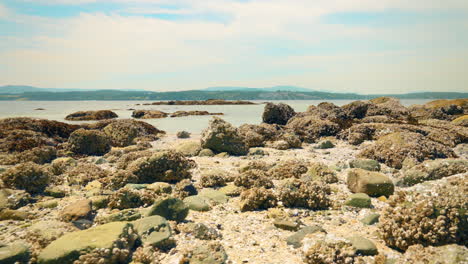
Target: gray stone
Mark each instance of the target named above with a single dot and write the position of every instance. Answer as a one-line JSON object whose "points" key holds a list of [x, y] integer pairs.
{"points": [[257, 152], [360, 200], [286, 225], [197, 203], [124, 215], [14, 253], [365, 164], [189, 148], [433, 170], [71, 246], [371, 219], [206, 153], [214, 196], [136, 186], [372, 183], [231, 190], [8, 214], [169, 208], [296, 239], [363, 246], [154, 231]]}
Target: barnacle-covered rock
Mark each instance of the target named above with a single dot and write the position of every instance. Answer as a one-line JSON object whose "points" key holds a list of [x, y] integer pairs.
{"points": [[433, 170], [392, 149], [277, 113], [325, 252], [118, 179], [221, 136], [127, 132], [213, 178], [257, 199], [189, 148], [39, 155], [167, 166], [434, 218], [84, 173], [387, 106], [448, 254], [184, 188], [212, 253], [149, 114], [253, 178], [321, 172], [89, 142], [183, 134], [309, 128], [307, 194], [440, 109], [129, 198], [108, 243], [288, 169], [27, 176], [91, 115], [13, 199], [60, 165], [258, 135]]}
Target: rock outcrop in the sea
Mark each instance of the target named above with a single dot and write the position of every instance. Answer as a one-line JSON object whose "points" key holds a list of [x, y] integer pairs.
{"points": [[201, 102], [221, 136], [437, 217], [166, 166], [91, 115], [89, 142], [277, 113], [149, 114], [394, 148], [192, 113]]}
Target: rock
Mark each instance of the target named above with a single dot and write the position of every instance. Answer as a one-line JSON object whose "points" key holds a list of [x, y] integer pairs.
{"points": [[49, 230], [448, 254], [309, 128], [213, 178], [296, 239], [13, 199], [387, 106], [192, 113], [160, 187], [370, 219], [77, 210], [89, 142], [461, 121], [365, 164], [60, 165], [149, 114], [206, 153], [91, 115], [184, 188], [28, 176], [197, 203], [372, 183], [183, 134], [257, 152], [14, 253], [154, 231], [363, 246], [433, 170], [8, 214], [166, 166], [136, 186], [220, 136], [321, 172], [126, 132], [286, 225], [222, 155], [277, 113], [169, 208], [120, 216], [68, 248], [211, 253], [55, 192], [394, 148], [214, 196], [326, 144], [360, 200], [279, 145], [231, 190], [189, 148], [257, 199], [99, 201]]}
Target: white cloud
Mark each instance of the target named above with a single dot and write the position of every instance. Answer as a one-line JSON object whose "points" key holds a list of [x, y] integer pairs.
{"points": [[114, 51]]}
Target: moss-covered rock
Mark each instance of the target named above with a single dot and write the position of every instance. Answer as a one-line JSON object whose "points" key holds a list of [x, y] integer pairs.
{"points": [[433, 170], [257, 199], [277, 113], [189, 148], [220, 136], [365, 164], [372, 183], [14, 253], [28, 176], [169, 208], [360, 200], [154, 231], [307, 194], [89, 142]]}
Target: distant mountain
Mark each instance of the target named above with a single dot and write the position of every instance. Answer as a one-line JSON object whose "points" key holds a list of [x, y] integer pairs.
{"points": [[19, 89], [283, 88]]}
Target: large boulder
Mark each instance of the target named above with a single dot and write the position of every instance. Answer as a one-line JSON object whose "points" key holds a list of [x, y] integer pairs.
{"points": [[148, 114], [28, 176], [258, 135], [91, 115], [309, 128], [277, 113], [14, 253], [78, 210], [433, 170], [169, 208], [220, 136], [387, 106], [112, 241], [189, 148], [89, 142], [440, 109], [394, 148], [166, 166], [371, 183]]}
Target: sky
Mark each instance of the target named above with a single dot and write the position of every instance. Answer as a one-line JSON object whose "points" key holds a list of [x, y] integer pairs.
{"points": [[362, 46]]}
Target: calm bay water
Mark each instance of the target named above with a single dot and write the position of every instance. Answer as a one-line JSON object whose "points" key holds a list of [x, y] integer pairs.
{"points": [[235, 114]]}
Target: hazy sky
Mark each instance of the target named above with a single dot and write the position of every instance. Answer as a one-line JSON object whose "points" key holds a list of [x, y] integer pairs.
{"points": [[365, 46]]}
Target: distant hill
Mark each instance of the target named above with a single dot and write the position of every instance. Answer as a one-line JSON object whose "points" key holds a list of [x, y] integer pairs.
{"points": [[284, 88], [19, 89]]}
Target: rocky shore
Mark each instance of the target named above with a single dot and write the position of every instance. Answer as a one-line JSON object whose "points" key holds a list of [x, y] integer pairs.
{"points": [[150, 114], [203, 102], [368, 182]]}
